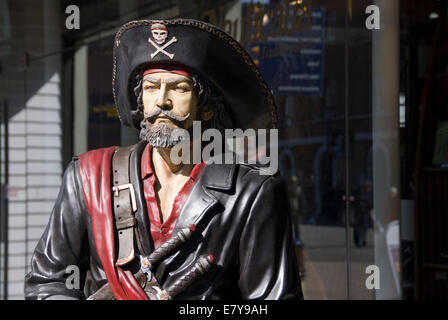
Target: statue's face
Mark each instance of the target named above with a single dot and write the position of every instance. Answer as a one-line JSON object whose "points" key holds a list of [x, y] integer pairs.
{"points": [[173, 93]]}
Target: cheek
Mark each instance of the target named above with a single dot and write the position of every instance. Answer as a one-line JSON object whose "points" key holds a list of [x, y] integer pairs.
{"points": [[185, 104], [148, 102]]}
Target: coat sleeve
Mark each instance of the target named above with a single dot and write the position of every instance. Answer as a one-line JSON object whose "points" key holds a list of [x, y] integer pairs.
{"points": [[268, 264], [63, 248]]}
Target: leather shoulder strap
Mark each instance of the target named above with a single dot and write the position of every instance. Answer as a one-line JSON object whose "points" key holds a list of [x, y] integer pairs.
{"points": [[124, 205]]}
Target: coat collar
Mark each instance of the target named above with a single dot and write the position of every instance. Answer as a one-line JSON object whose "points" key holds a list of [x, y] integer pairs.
{"points": [[219, 176]]}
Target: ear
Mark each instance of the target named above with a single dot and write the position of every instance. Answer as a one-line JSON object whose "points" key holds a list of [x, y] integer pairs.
{"points": [[206, 115]]}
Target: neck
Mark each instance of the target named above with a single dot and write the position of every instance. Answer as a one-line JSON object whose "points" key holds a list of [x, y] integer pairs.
{"points": [[164, 167]]}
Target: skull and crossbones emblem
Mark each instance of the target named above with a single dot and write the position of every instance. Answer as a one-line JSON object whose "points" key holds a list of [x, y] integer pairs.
{"points": [[160, 33]]}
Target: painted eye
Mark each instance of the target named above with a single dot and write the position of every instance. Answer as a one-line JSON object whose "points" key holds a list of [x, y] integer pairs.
{"points": [[150, 87], [181, 89]]}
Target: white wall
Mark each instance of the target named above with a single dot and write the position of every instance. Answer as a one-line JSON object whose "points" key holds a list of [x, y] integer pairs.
{"points": [[35, 163]]}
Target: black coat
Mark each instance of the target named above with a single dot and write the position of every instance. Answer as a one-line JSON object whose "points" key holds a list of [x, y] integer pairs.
{"points": [[242, 219]]}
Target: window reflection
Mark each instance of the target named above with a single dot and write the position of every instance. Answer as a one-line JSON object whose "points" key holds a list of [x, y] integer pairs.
{"points": [[353, 131]]}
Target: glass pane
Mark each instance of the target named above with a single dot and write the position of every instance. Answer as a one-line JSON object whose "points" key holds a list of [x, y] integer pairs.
{"points": [[360, 165], [298, 51]]}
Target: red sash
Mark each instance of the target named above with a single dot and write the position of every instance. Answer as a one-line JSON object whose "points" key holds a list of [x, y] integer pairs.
{"points": [[95, 171]]}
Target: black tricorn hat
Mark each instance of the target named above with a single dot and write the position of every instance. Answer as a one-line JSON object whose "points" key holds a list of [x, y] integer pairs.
{"points": [[204, 49]]}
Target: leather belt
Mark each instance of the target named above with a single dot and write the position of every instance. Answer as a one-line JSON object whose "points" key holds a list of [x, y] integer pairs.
{"points": [[124, 205]]}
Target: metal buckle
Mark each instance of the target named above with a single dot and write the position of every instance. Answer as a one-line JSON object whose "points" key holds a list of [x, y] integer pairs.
{"points": [[129, 186], [145, 266], [161, 294]]}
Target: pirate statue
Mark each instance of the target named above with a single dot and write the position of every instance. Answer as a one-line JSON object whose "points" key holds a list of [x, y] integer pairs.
{"points": [[136, 224]]}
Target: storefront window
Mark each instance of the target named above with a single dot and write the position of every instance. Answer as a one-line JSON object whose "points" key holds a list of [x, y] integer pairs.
{"points": [[357, 135]]}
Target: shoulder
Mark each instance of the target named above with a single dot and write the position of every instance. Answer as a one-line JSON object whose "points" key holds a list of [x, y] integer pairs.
{"points": [[96, 155], [258, 174], [94, 163], [87, 159], [261, 170], [240, 177], [268, 192], [269, 187]]}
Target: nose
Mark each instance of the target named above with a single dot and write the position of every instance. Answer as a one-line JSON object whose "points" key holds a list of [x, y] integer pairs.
{"points": [[163, 101]]}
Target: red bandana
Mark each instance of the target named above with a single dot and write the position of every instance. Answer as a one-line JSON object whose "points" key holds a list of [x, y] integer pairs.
{"points": [[171, 68]]}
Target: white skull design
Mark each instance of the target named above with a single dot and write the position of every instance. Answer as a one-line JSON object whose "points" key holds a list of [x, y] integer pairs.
{"points": [[159, 32]]}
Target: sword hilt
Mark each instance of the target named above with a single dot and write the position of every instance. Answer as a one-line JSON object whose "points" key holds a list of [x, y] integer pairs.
{"points": [[202, 266], [181, 237]]}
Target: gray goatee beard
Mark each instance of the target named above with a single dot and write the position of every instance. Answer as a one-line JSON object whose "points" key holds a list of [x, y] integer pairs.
{"points": [[162, 136]]}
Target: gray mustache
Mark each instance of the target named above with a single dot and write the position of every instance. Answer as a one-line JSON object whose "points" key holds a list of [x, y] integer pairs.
{"points": [[168, 113]]}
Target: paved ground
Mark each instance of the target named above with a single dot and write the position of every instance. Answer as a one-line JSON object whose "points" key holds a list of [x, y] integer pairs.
{"points": [[326, 267]]}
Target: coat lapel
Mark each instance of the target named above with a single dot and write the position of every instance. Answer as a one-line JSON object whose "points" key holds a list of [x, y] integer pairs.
{"points": [[203, 196]]}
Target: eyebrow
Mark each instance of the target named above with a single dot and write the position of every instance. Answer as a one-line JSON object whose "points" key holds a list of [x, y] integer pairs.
{"points": [[168, 81]]}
